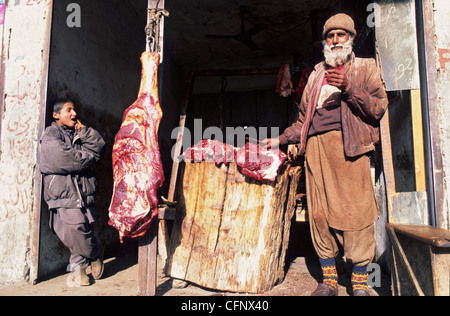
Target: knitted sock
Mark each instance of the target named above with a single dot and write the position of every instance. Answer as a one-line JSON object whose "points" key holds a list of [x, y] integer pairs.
{"points": [[329, 272], [359, 278]]}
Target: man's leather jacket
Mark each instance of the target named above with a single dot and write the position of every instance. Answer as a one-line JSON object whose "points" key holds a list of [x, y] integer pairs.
{"points": [[363, 105]]}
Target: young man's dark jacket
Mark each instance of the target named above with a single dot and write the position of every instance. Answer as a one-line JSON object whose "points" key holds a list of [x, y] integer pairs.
{"points": [[66, 162]]}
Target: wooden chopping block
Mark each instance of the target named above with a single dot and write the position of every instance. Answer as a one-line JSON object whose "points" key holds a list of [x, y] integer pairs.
{"points": [[231, 232]]}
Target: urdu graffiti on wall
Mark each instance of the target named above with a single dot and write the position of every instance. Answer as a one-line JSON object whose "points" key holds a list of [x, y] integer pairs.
{"points": [[18, 144], [32, 2], [2, 11], [21, 107]]}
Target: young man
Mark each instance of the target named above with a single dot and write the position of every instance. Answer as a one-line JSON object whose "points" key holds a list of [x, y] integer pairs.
{"points": [[68, 151], [337, 128]]}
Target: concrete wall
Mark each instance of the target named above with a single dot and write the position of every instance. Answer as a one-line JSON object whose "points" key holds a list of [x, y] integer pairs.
{"points": [[23, 64], [442, 25]]}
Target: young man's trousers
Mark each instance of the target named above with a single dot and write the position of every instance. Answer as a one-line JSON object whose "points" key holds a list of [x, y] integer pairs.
{"points": [[74, 227]]}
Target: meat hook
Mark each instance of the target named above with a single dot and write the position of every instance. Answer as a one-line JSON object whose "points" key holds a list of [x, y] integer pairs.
{"points": [[152, 28]]}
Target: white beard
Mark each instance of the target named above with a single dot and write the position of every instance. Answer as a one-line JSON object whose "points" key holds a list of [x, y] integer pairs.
{"points": [[338, 58]]}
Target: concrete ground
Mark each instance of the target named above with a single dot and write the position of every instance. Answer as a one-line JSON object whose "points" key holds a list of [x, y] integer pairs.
{"points": [[121, 271]]}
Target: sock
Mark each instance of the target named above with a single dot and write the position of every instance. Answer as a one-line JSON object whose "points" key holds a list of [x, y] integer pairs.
{"points": [[329, 272], [359, 278]]}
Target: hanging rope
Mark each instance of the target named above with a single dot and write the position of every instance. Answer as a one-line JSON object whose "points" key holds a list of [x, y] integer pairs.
{"points": [[152, 28]]}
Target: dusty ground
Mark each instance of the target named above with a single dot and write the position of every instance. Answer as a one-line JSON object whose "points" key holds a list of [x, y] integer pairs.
{"points": [[120, 279]]}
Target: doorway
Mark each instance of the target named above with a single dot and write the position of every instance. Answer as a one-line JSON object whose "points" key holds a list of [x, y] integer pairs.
{"points": [[97, 66]]}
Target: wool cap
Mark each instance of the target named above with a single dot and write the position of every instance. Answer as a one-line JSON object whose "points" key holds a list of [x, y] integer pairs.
{"points": [[339, 21]]}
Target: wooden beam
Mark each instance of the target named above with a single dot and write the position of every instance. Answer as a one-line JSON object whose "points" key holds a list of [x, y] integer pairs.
{"points": [[418, 146], [400, 258], [179, 141], [147, 266], [166, 213], [236, 72], [388, 164]]}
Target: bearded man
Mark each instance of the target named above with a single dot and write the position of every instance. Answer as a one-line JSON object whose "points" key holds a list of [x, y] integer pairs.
{"points": [[337, 128]]}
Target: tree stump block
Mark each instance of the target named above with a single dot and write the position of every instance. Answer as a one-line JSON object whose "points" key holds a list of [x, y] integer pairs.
{"points": [[231, 232]]}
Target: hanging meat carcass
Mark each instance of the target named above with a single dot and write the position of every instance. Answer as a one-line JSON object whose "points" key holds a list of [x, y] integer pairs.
{"points": [[136, 160], [284, 83]]}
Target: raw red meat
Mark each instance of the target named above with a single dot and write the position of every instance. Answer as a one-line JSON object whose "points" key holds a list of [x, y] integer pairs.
{"points": [[284, 84], [210, 150], [259, 163], [136, 160], [253, 160]]}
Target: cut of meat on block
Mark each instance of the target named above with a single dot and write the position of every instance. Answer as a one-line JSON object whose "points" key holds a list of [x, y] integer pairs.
{"points": [[231, 232], [210, 150], [254, 161], [259, 163], [136, 160]]}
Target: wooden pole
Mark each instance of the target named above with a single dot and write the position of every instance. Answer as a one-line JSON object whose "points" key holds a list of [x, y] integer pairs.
{"points": [[417, 128], [147, 266], [388, 165], [179, 143]]}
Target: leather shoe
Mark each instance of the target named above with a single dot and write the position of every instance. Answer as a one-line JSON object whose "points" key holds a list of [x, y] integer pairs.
{"points": [[360, 292], [78, 278], [324, 290], [97, 268]]}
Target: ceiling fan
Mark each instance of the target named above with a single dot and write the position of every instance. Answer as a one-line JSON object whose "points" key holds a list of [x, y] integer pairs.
{"points": [[244, 36]]}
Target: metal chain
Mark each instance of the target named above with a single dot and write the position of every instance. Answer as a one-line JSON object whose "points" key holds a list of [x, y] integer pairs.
{"points": [[152, 28]]}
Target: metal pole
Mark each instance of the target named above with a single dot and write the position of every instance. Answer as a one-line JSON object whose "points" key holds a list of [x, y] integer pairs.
{"points": [[429, 172]]}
